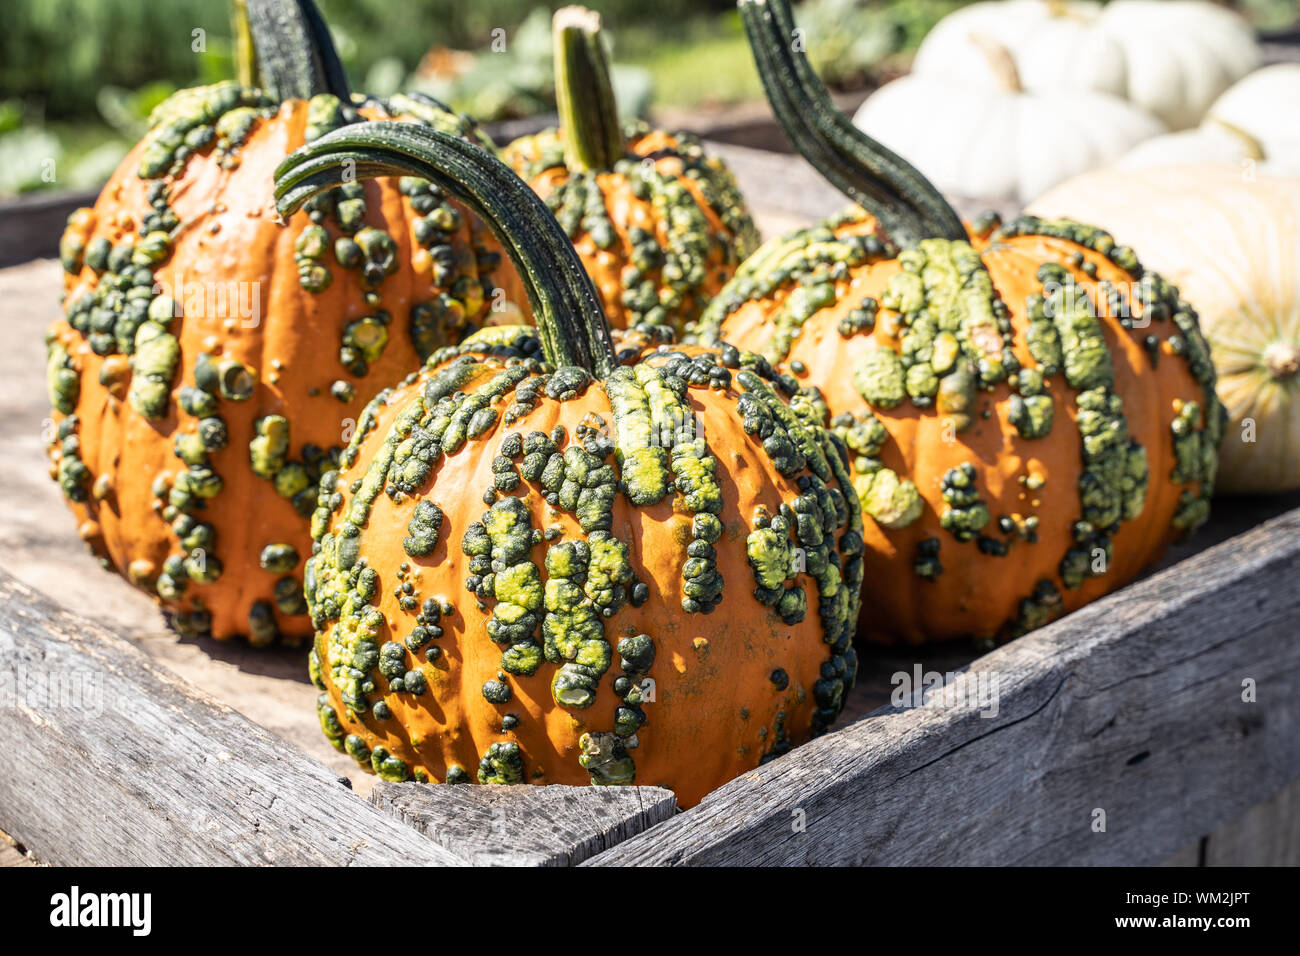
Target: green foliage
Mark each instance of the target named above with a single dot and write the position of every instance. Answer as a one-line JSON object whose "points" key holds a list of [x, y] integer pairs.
{"points": [[37, 156], [702, 60], [104, 63], [1270, 14], [60, 52], [509, 77], [26, 154], [848, 39], [127, 111]]}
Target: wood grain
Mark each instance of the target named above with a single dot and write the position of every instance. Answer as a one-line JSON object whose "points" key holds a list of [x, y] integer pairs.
{"points": [[9, 857], [1132, 706], [1267, 834], [110, 760], [523, 825]]}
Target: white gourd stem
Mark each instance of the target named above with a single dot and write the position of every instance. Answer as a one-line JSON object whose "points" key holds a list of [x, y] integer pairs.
{"points": [[1282, 360], [1000, 62], [1253, 149]]}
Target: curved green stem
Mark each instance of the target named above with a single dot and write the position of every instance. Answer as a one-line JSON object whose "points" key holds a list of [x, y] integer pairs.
{"points": [[570, 320], [294, 50], [584, 95], [907, 205]]}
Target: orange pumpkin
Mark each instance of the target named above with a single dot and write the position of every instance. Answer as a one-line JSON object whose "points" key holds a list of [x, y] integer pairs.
{"points": [[211, 362], [660, 226], [548, 568], [1032, 415]]}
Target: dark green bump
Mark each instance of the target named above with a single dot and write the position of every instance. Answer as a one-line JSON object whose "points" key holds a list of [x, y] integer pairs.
{"points": [[502, 764], [279, 558], [423, 529], [262, 629]]}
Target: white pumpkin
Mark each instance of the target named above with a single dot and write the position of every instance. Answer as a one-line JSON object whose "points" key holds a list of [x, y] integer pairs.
{"points": [[1170, 57], [1232, 246], [1256, 121], [1001, 143]]}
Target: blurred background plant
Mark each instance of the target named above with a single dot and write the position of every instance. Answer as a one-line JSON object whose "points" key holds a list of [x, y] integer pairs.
{"points": [[78, 78]]}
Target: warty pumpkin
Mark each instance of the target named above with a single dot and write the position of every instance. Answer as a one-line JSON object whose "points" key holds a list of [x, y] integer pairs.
{"points": [[558, 570], [1232, 244], [659, 224], [210, 361], [1032, 414]]}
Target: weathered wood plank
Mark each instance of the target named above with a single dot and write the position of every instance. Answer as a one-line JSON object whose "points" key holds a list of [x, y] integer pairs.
{"points": [[111, 760], [523, 825], [1132, 706], [1268, 834], [1189, 855]]}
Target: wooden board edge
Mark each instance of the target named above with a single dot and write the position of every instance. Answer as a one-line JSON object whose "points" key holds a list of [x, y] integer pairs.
{"points": [[524, 825]]}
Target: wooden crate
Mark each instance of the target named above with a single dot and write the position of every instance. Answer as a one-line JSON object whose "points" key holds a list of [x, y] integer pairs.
{"points": [[127, 744]]}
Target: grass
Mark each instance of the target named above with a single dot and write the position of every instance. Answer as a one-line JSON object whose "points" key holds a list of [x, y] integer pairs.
{"points": [[703, 62]]}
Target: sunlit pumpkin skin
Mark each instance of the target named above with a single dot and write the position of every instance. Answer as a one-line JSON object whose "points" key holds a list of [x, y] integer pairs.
{"points": [[211, 363], [1032, 415], [1015, 455], [527, 575], [659, 224]]}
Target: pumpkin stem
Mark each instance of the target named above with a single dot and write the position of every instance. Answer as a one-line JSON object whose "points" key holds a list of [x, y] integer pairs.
{"points": [[1249, 143], [907, 205], [245, 52], [584, 95], [570, 320], [1283, 361], [1000, 61], [294, 50]]}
